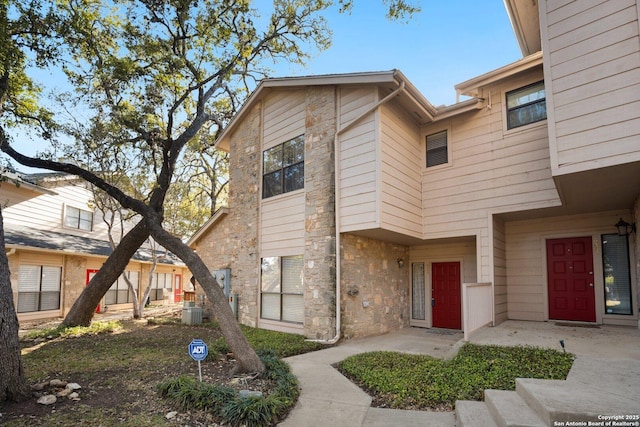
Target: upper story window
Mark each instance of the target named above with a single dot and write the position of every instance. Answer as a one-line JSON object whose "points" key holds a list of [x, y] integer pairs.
{"points": [[283, 168], [78, 218], [526, 105], [437, 150]]}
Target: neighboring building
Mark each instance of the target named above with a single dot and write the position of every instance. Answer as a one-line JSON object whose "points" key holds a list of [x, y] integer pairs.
{"points": [[56, 241], [353, 194]]}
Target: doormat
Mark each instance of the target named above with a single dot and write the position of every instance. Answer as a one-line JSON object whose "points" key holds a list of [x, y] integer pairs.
{"points": [[440, 331], [578, 325]]}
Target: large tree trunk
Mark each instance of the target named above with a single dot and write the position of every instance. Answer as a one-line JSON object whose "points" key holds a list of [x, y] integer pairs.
{"points": [[84, 307], [13, 385], [248, 360]]}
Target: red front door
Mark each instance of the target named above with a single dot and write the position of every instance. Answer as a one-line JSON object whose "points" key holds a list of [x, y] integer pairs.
{"points": [[177, 288], [570, 277], [445, 294], [90, 274]]}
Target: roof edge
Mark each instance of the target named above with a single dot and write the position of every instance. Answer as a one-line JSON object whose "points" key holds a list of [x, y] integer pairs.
{"points": [[217, 216], [470, 87]]}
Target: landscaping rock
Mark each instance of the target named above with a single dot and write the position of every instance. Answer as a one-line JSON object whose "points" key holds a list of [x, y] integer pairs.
{"points": [[74, 396], [57, 383], [74, 386], [48, 399], [40, 386], [64, 392], [171, 415]]}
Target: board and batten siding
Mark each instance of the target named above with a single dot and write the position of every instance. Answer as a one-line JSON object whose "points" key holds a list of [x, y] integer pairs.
{"points": [[359, 160], [282, 216], [592, 69], [401, 163], [526, 259]]}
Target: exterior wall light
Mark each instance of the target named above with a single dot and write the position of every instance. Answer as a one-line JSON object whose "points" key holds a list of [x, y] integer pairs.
{"points": [[624, 228], [400, 262]]}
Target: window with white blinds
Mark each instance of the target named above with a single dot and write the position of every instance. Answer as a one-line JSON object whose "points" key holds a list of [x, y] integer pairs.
{"points": [[418, 310], [617, 274], [119, 292], [282, 288], [437, 151], [38, 288], [159, 282]]}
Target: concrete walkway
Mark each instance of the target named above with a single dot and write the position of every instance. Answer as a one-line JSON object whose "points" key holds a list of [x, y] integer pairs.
{"points": [[329, 399]]}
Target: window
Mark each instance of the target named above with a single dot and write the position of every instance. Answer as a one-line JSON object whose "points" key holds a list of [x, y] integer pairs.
{"points": [[526, 105], [437, 153], [617, 275], [282, 289], [119, 292], [38, 288], [283, 168], [78, 218], [160, 282]]}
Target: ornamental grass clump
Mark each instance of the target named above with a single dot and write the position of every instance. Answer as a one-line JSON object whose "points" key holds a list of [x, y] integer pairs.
{"points": [[226, 403]]}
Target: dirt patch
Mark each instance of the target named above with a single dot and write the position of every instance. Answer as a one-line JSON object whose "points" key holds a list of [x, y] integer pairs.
{"points": [[119, 373]]}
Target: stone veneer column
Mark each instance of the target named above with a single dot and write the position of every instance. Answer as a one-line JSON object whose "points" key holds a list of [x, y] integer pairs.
{"points": [[233, 241], [320, 245]]}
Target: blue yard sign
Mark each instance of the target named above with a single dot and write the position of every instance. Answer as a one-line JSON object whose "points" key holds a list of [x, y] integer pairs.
{"points": [[198, 351]]}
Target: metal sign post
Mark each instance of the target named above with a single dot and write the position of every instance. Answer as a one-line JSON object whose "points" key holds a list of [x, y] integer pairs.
{"points": [[198, 351]]}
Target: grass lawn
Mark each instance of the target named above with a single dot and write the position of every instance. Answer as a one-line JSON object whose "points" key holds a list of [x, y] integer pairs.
{"points": [[126, 367], [120, 365], [406, 381]]}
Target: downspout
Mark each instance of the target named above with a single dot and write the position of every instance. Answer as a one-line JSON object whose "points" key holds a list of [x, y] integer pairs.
{"points": [[11, 252], [336, 184]]}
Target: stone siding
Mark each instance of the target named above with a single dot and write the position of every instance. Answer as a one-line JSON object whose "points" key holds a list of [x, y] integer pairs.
{"points": [[374, 289], [233, 241], [74, 280], [319, 184]]}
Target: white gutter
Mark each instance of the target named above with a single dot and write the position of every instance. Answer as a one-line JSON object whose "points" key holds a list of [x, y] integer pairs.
{"points": [[336, 156]]}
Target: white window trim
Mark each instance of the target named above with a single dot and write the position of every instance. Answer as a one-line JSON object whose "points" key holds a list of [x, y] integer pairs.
{"points": [[449, 163], [524, 128], [65, 207]]}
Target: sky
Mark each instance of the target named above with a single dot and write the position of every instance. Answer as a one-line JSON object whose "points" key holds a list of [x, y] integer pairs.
{"points": [[448, 42]]}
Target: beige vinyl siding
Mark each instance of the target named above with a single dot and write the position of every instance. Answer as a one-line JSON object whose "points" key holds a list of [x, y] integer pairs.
{"points": [[592, 59], [282, 217], [526, 259], [358, 160], [491, 170], [401, 164], [282, 225], [499, 272], [464, 251], [284, 117], [46, 211]]}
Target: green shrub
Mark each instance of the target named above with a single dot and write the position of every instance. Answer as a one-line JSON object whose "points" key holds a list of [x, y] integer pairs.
{"points": [[421, 382], [282, 343], [75, 331]]}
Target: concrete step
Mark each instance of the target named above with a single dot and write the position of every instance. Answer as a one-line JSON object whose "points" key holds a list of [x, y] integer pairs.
{"points": [[509, 410], [473, 414], [562, 401]]}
